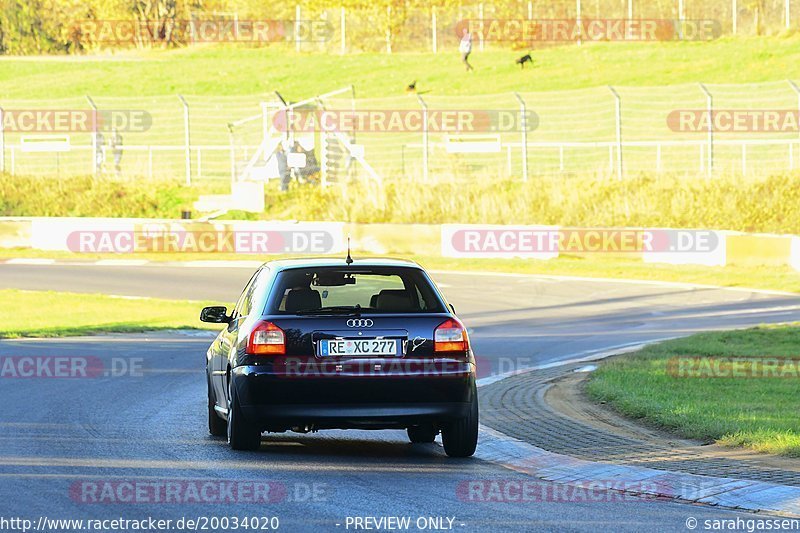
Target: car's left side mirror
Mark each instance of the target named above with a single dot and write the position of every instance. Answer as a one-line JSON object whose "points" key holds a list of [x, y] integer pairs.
{"points": [[216, 315]]}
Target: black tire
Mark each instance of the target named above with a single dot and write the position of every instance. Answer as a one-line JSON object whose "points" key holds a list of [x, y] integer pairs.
{"points": [[241, 434], [460, 438], [216, 424], [422, 434]]}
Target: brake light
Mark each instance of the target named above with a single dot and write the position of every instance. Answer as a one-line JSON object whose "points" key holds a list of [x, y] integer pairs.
{"points": [[450, 336], [266, 339]]}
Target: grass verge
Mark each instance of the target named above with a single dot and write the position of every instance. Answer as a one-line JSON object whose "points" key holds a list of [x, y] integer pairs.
{"points": [[229, 69], [759, 413], [769, 205], [85, 196], [58, 314]]}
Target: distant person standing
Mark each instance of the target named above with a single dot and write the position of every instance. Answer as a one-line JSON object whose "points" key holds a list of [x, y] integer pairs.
{"points": [[116, 150], [283, 167], [99, 151], [465, 47]]}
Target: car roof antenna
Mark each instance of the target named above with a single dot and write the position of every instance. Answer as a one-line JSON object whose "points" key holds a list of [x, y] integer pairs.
{"points": [[348, 260]]}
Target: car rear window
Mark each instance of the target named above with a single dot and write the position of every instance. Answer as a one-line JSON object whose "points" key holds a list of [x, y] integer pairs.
{"points": [[331, 290]]}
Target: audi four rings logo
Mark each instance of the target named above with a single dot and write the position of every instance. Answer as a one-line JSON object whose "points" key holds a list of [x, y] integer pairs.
{"points": [[359, 323]]}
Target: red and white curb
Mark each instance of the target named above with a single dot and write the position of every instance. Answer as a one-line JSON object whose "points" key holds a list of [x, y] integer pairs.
{"points": [[730, 493], [519, 456]]}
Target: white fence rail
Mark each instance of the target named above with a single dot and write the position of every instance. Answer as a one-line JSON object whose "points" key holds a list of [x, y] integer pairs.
{"points": [[610, 133]]}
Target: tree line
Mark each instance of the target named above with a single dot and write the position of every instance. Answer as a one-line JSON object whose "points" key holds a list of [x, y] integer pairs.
{"points": [[30, 27]]}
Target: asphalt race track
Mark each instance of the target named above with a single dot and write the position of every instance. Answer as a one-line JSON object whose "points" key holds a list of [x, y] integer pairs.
{"points": [[66, 441]]}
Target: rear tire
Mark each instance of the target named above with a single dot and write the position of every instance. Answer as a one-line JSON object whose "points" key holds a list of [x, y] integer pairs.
{"points": [[422, 434], [241, 434], [216, 425], [460, 438]]}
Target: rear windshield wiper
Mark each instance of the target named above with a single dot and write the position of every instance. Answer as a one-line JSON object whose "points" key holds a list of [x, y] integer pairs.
{"points": [[335, 310]]}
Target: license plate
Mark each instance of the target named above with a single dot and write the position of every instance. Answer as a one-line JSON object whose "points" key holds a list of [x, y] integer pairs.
{"points": [[356, 347]]}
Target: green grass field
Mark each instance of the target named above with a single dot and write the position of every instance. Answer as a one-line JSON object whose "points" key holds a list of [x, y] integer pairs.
{"points": [[226, 84], [233, 70], [759, 413], [84, 196], [58, 314]]}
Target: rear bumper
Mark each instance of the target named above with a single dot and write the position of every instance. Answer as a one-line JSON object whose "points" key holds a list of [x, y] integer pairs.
{"points": [[376, 416], [279, 401]]}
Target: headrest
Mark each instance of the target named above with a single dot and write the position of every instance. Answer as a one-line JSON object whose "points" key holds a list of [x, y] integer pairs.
{"points": [[302, 299], [394, 300]]}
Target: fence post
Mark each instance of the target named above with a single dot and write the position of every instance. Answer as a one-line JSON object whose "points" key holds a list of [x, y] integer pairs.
{"points": [[389, 29], [735, 15], [658, 158], [2, 142], [618, 114], [186, 144], [424, 138], [264, 122], [630, 9], [93, 155], [231, 144], [353, 109], [343, 30], [297, 27], [710, 109], [323, 141], [434, 43], [744, 159], [796, 89], [787, 13], [480, 16], [578, 19], [703, 158], [524, 136]]}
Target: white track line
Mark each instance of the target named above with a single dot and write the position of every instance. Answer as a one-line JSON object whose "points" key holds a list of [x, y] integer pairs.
{"points": [[30, 261]]}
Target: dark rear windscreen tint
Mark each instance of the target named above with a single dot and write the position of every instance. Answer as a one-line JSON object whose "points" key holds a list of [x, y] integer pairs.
{"points": [[373, 290]]}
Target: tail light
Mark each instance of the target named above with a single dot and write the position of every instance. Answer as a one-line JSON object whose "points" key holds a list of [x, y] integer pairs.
{"points": [[450, 336], [266, 339]]}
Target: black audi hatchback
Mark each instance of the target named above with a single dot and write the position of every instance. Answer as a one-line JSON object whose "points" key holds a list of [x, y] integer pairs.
{"points": [[323, 343]]}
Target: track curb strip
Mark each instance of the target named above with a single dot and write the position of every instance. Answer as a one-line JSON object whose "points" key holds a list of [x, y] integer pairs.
{"points": [[730, 493], [519, 456]]}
